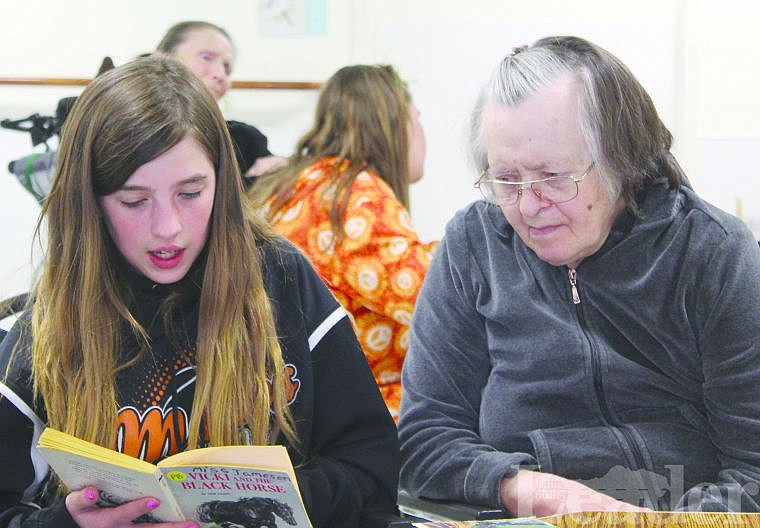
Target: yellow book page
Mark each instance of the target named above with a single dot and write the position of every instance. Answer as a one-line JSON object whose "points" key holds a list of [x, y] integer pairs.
{"points": [[265, 457], [60, 441]]}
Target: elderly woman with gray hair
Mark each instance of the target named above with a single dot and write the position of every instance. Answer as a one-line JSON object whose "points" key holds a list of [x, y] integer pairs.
{"points": [[587, 336]]}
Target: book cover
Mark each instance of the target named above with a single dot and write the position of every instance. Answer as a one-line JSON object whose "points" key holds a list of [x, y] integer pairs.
{"points": [[216, 486]]}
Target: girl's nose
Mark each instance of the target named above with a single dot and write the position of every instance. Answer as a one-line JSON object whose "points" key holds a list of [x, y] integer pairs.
{"points": [[165, 222]]}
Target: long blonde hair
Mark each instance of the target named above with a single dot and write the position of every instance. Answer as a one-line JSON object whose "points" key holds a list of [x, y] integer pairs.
{"points": [[361, 119], [123, 119]]}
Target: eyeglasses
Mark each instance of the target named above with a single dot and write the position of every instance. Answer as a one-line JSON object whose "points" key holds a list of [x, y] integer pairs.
{"points": [[554, 189]]}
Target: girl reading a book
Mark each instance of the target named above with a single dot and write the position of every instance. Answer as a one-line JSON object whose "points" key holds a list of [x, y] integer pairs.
{"points": [[166, 318]]}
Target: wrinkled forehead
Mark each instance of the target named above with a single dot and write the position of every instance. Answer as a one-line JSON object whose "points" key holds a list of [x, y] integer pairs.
{"points": [[544, 129]]}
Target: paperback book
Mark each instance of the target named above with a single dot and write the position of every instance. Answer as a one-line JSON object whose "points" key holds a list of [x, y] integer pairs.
{"points": [[215, 486]]}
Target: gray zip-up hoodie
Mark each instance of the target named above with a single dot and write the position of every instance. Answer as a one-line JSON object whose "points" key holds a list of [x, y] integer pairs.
{"points": [[638, 373]]}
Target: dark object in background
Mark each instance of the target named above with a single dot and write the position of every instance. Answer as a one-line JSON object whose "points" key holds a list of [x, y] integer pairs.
{"points": [[250, 144], [62, 111], [36, 171], [40, 127]]}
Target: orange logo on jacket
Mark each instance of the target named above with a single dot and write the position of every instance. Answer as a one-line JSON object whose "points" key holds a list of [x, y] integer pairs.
{"points": [[292, 383], [151, 435], [156, 433]]}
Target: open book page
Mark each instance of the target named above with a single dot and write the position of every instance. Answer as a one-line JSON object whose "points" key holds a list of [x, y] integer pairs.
{"points": [[119, 478], [272, 457]]}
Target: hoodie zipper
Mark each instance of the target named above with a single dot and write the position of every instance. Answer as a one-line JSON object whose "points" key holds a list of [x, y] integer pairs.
{"points": [[572, 275], [596, 370]]}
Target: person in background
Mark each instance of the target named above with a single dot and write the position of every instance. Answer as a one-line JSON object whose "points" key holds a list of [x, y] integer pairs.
{"points": [[587, 336], [209, 52], [163, 300], [344, 200]]}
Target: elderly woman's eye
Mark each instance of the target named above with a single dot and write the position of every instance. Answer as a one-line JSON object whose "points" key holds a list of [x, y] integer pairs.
{"points": [[510, 178]]}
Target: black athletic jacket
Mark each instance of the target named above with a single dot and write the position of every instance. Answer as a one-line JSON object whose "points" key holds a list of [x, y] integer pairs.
{"points": [[347, 465]]}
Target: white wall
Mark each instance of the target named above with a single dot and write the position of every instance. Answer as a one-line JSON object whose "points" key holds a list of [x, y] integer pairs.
{"points": [[718, 132], [448, 48], [696, 58]]}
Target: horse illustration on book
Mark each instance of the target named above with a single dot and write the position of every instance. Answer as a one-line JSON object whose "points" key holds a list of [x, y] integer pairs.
{"points": [[253, 512]]}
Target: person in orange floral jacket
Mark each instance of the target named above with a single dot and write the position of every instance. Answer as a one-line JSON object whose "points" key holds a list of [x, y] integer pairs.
{"points": [[343, 199]]}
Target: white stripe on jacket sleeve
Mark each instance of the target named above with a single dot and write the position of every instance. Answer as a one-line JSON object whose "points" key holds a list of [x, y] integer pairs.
{"points": [[325, 326]]}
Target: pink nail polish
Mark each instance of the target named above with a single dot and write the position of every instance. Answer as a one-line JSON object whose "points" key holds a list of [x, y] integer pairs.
{"points": [[90, 494], [152, 504]]}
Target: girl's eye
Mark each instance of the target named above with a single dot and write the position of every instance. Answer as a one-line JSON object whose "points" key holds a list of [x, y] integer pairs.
{"points": [[132, 204], [191, 195]]}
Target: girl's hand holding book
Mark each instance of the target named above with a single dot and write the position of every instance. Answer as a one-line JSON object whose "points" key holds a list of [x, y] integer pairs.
{"points": [[84, 509]]}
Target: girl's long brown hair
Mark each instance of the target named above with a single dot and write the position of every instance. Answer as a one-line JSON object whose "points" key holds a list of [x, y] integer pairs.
{"points": [[361, 119], [123, 119]]}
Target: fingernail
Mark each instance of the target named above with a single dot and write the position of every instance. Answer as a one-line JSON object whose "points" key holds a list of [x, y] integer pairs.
{"points": [[152, 504], [90, 494]]}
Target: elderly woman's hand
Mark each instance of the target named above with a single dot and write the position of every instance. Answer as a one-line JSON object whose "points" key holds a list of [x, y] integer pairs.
{"points": [[542, 494]]}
